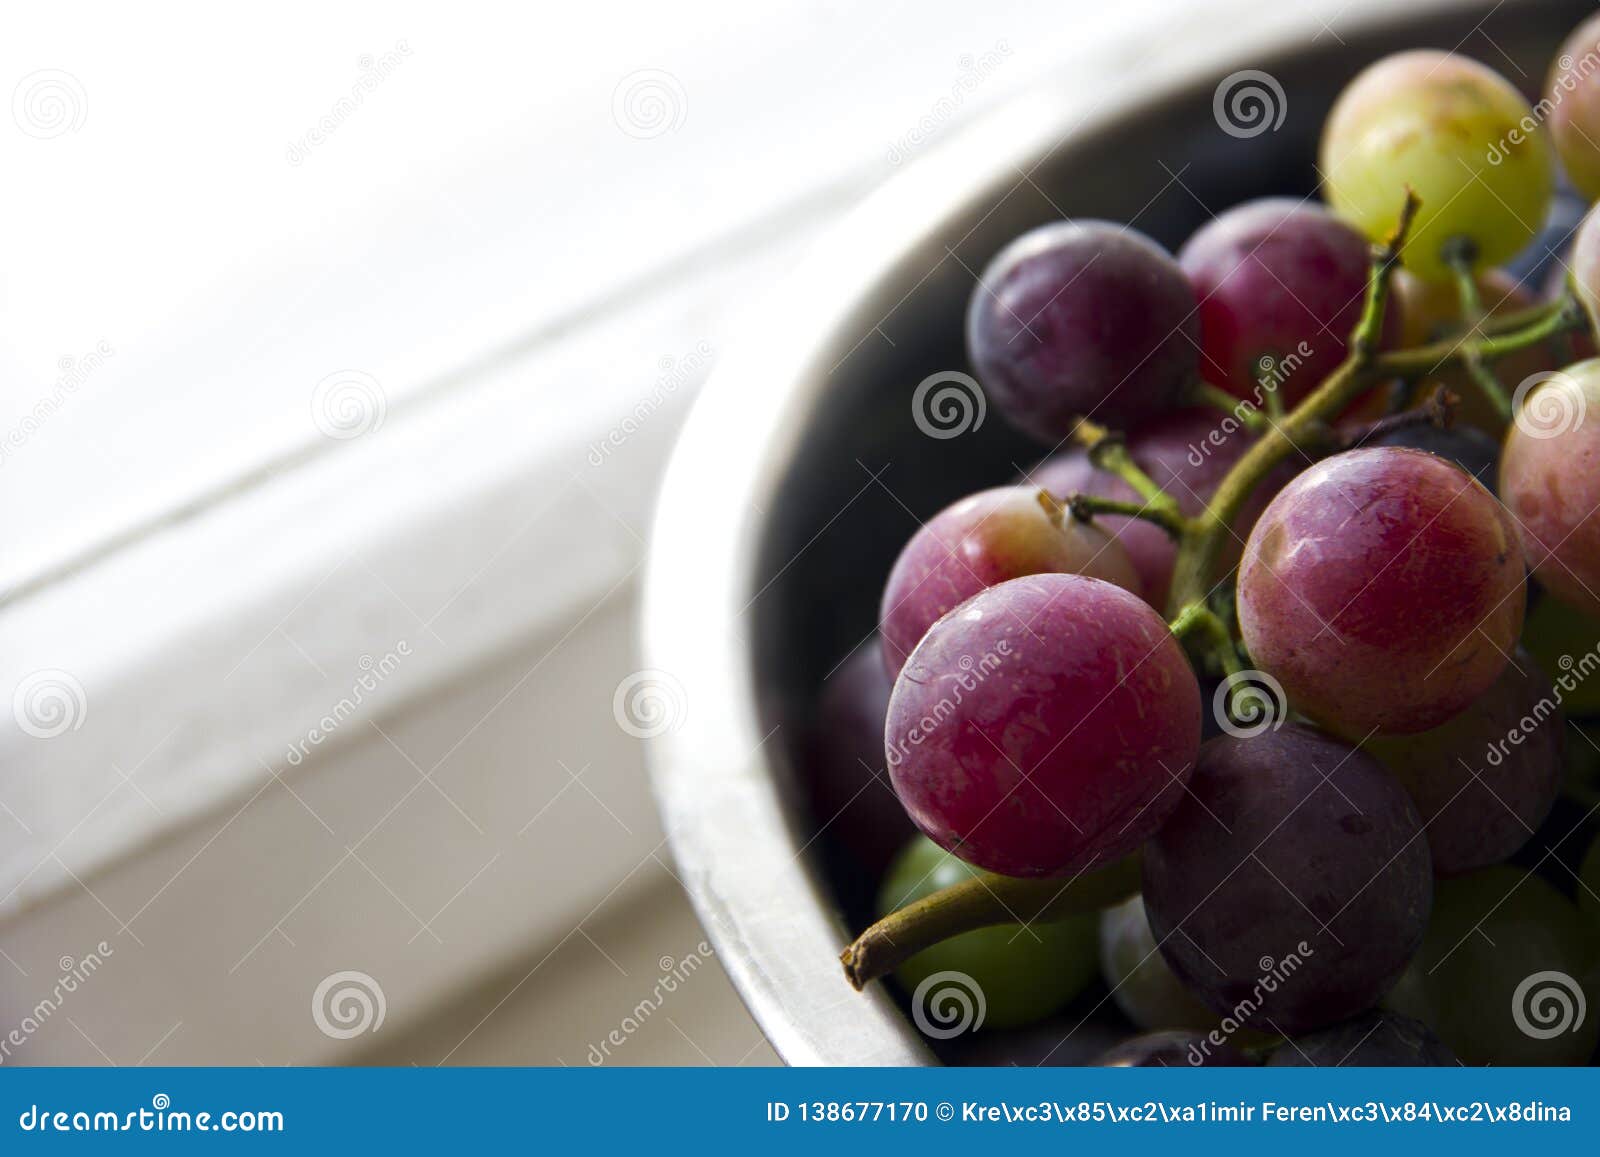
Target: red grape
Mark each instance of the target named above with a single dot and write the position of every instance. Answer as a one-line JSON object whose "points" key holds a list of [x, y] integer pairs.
{"points": [[1550, 480], [1384, 589], [1046, 725], [982, 540], [1486, 779], [1083, 318], [1280, 280], [1291, 885]]}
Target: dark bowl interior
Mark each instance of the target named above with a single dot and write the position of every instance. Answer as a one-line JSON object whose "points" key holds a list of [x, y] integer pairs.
{"points": [[864, 475]]}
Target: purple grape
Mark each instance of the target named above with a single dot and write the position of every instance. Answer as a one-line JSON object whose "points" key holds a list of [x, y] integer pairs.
{"points": [[982, 540], [1046, 725], [1083, 319], [1371, 1040], [1172, 1050], [848, 781], [1278, 279], [1292, 884], [1487, 778]]}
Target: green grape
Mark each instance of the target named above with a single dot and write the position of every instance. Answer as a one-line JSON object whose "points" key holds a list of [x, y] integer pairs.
{"points": [[1142, 983], [1555, 632], [1022, 974], [1456, 132], [1502, 970], [1589, 886]]}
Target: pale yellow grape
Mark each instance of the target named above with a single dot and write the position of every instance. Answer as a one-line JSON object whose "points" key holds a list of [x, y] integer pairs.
{"points": [[1459, 135]]}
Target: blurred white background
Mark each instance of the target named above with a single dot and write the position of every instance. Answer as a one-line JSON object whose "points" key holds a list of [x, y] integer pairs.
{"points": [[340, 349]]}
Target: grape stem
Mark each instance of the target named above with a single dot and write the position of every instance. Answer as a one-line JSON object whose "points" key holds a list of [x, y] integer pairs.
{"points": [[1459, 257], [1364, 368], [982, 902], [1084, 507], [1215, 397], [1109, 452], [1197, 619]]}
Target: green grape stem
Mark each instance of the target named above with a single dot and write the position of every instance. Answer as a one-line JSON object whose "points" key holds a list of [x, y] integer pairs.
{"points": [[982, 902]]}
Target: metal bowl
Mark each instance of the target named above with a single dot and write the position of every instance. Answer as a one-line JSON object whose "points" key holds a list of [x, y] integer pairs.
{"points": [[804, 467]]}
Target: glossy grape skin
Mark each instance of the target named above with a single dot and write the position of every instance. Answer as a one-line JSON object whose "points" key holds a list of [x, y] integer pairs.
{"points": [[1142, 983], [1278, 835], [1024, 974], [1378, 1039], [982, 540], [1045, 725], [1082, 318], [1187, 454], [1430, 312], [1444, 125], [1492, 930], [1383, 588], [1174, 1050], [1550, 481], [1468, 447], [1573, 88], [1482, 795], [847, 778], [1281, 279]]}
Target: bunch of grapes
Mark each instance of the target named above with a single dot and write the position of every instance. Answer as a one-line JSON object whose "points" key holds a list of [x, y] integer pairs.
{"points": [[1231, 713]]}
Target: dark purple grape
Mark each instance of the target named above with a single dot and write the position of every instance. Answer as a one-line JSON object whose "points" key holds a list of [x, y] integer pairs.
{"points": [[1045, 725], [1371, 1040], [1487, 778], [848, 781], [1280, 282], [1083, 319], [1292, 884], [1467, 446], [1172, 1050], [982, 540]]}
